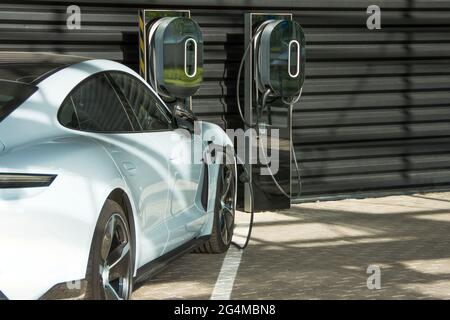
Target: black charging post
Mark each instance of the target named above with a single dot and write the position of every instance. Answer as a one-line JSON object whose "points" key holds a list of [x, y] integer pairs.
{"points": [[276, 116]]}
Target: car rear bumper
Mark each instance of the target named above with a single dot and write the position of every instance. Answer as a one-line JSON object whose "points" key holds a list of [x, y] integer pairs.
{"points": [[47, 237]]}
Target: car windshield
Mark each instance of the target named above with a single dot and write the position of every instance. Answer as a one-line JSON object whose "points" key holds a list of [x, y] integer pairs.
{"points": [[12, 94]]}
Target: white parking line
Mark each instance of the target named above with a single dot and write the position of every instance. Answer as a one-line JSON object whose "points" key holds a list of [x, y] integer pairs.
{"points": [[225, 280]]}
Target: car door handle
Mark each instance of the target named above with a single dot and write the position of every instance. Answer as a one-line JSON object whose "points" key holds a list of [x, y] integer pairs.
{"points": [[130, 168]]}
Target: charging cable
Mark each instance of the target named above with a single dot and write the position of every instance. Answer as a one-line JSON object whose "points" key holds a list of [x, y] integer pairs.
{"points": [[245, 179], [294, 156]]}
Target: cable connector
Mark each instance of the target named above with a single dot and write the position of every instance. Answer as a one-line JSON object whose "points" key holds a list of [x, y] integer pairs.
{"points": [[244, 178]]}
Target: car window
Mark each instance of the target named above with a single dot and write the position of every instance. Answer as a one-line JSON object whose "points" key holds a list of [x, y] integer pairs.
{"points": [[95, 106], [148, 110], [12, 94], [68, 116]]}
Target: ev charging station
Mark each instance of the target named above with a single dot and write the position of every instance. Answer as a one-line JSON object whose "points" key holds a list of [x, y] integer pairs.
{"points": [[171, 55], [171, 61], [274, 74]]}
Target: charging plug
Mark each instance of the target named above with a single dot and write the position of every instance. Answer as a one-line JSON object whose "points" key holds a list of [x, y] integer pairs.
{"points": [[244, 177]]}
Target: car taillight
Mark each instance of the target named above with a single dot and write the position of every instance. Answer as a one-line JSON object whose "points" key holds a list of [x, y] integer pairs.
{"points": [[21, 180]]}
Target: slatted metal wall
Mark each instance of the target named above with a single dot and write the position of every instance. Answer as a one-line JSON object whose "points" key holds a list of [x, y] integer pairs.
{"points": [[375, 115]]}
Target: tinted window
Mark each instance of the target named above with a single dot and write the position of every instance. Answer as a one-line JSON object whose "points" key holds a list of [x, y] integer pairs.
{"points": [[12, 94], [148, 110], [68, 116], [94, 106]]}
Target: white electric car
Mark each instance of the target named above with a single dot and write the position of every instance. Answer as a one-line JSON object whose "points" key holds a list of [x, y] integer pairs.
{"points": [[98, 187]]}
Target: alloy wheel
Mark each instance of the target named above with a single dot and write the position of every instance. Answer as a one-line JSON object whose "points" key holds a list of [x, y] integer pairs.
{"points": [[227, 210], [115, 263]]}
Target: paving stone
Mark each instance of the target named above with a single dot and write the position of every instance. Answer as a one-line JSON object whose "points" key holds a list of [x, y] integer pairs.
{"points": [[322, 251]]}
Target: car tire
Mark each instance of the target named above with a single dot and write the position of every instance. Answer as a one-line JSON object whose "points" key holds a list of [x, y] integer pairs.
{"points": [[109, 274], [224, 213]]}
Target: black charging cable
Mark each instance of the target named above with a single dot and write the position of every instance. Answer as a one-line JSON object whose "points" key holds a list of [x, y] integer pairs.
{"points": [[245, 179], [261, 145]]}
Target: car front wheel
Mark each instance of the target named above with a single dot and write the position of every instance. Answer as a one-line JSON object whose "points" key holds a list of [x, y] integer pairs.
{"points": [[224, 214]]}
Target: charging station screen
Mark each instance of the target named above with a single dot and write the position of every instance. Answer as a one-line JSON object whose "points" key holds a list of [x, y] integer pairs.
{"points": [[182, 57], [191, 54], [287, 58]]}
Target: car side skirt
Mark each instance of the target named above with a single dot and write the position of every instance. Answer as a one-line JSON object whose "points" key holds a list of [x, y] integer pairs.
{"points": [[152, 268]]}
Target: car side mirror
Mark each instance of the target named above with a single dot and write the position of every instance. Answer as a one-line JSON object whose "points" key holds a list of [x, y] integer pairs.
{"points": [[184, 113], [184, 118]]}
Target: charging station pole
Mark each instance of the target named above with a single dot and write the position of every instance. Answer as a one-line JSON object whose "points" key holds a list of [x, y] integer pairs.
{"points": [[248, 113], [267, 195]]}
